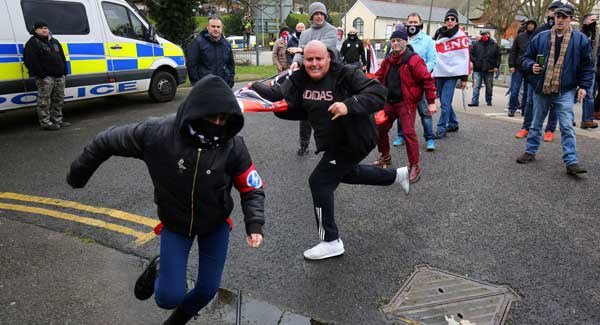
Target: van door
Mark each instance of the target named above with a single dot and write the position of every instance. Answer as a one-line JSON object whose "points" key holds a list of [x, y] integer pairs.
{"points": [[74, 24], [11, 74], [130, 54]]}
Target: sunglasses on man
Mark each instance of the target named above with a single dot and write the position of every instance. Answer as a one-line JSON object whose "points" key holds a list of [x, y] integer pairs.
{"points": [[450, 19]]}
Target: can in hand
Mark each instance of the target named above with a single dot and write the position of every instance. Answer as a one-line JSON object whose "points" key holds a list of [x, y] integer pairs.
{"points": [[540, 59]]}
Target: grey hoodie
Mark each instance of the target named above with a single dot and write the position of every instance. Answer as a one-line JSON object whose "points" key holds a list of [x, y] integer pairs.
{"points": [[324, 33]]}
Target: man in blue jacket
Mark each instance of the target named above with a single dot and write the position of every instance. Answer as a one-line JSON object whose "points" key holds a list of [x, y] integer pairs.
{"points": [[560, 61], [424, 46], [210, 53]]}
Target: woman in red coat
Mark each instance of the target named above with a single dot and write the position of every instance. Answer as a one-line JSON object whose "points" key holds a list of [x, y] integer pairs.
{"points": [[406, 77]]}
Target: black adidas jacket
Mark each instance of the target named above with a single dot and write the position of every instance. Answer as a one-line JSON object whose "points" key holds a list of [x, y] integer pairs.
{"points": [[44, 57], [191, 185], [354, 134]]}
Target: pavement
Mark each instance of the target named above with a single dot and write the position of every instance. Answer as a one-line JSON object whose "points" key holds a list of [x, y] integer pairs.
{"points": [[475, 212]]}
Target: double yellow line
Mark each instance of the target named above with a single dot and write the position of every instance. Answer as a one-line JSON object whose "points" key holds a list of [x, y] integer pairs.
{"points": [[141, 237]]}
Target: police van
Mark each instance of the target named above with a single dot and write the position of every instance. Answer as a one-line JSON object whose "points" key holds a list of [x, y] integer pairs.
{"points": [[110, 49]]}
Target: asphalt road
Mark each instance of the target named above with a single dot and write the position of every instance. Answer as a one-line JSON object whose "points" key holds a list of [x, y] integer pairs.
{"points": [[474, 212]]}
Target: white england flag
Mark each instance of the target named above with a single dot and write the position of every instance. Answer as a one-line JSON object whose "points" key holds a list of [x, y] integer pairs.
{"points": [[452, 56]]}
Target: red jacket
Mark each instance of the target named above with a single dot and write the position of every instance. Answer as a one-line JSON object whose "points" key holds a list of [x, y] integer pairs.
{"points": [[414, 77]]}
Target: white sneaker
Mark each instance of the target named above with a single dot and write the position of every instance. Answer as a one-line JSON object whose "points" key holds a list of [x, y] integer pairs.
{"points": [[325, 250], [403, 179]]}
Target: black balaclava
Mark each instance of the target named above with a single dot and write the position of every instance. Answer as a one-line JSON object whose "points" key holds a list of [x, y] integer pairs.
{"points": [[550, 21], [298, 34], [208, 135], [352, 36], [589, 29], [413, 30]]}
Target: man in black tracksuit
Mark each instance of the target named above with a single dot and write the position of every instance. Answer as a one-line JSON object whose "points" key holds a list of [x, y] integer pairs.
{"points": [[193, 158], [339, 101], [352, 50], [45, 60], [485, 55]]}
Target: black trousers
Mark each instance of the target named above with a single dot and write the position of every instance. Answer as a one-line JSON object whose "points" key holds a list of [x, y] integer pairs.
{"points": [[333, 169], [305, 133]]}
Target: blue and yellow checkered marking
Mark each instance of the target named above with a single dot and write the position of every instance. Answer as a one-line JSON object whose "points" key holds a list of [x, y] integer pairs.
{"points": [[86, 58]]}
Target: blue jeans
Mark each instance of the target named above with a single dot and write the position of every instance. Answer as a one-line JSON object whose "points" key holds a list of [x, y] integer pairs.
{"points": [[488, 78], [529, 112], [445, 88], [563, 105], [588, 104], [426, 120], [516, 80], [171, 286]]}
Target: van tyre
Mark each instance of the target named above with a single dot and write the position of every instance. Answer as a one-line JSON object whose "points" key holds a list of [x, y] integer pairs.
{"points": [[162, 87]]}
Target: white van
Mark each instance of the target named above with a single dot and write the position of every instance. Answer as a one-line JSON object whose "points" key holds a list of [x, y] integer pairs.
{"points": [[238, 42], [109, 46]]}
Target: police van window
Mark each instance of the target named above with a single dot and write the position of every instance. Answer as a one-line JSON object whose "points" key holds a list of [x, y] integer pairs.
{"points": [[63, 18], [123, 22]]}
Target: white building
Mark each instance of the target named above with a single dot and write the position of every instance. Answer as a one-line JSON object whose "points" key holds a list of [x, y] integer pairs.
{"points": [[376, 19]]}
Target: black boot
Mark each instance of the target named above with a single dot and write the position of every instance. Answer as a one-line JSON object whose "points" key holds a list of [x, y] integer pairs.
{"points": [[178, 317], [144, 286]]}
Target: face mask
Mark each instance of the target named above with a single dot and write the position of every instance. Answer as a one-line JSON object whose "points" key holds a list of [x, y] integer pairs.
{"points": [[590, 27], [485, 38], [413, 30], [352, 36], [550, 21], [208, 135]]}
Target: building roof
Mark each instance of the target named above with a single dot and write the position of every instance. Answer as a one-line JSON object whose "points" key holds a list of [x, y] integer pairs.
{"points": [[401, 10]]}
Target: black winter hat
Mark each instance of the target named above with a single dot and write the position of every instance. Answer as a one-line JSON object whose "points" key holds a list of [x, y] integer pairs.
{"points": [[554, 5], [451, 12], [39, 24], [400, 32]]}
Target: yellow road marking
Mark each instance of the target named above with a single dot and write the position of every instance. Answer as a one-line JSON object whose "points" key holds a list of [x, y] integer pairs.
{"points": [[74, 205], [71, 217]]}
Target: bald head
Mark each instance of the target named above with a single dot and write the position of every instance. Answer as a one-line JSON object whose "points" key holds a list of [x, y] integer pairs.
{"points": [[300, 27], [316, 60]]}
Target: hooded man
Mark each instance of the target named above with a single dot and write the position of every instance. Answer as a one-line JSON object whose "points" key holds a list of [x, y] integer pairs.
{"points": [[452, 46], [516, 68], [590, 29], [562, 70], [552, 118], [193, 158], [210, 53], [352, 51], [406, 77], [319, 30], [485, 55], [45, 60]]}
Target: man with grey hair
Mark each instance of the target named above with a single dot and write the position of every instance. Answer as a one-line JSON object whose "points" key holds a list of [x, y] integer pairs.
{"points": [[322, 31]]}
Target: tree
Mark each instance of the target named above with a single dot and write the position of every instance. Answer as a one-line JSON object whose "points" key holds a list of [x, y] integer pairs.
{"points": [[501, 13], [233, 24], [584, 7], [174, 19], [536, 10]]}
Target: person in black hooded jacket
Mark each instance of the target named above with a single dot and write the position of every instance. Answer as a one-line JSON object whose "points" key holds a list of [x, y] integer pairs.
{"points": [[339, 101], [193, 158], [516, 68]]}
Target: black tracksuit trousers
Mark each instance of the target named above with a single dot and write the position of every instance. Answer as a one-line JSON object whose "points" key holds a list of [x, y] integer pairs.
{"points": [[333, 169], [305, 133]]}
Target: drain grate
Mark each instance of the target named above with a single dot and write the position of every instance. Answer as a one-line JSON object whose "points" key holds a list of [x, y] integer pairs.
{"points": [[436, 297]]}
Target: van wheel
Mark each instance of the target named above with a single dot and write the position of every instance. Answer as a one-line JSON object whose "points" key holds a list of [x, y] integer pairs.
{"points": [[162, 87]]}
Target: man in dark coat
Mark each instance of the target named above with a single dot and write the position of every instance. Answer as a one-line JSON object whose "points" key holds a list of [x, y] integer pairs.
{"points": [[516, 68], [339, 101], [210, 53], [352, 50], [485, 55], [45, 60]]}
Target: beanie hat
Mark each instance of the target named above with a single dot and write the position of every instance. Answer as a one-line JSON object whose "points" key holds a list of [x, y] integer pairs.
{"points": [[39, 24], [400, 33], [317, 7], [566, 10], [555, 5], [451, 12]]}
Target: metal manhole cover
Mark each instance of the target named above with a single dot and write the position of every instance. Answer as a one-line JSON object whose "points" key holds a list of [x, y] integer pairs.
{"points": [[435, 297]]}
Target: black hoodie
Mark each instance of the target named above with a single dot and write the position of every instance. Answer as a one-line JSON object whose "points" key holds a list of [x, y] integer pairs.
{"points": [[180, 170], [44, 57]]}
